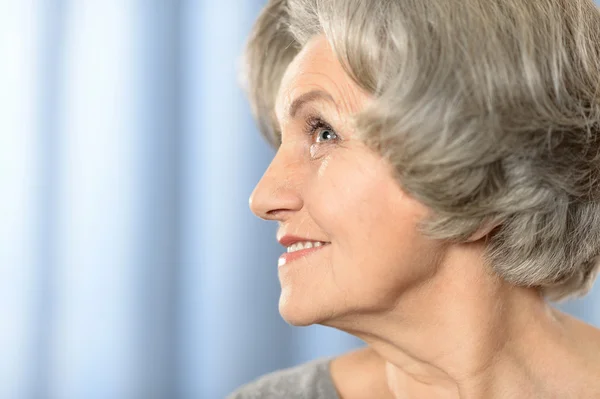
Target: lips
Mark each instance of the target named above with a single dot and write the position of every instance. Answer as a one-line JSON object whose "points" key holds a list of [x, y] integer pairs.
{"points": [[289, 257], [289, 239]]}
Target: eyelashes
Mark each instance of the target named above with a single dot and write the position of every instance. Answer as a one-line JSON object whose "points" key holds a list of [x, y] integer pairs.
{"points": [[315, 125]]}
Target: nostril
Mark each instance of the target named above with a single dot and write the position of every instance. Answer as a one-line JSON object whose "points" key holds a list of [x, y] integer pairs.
{"points": [[274, 199], [275, 213]]}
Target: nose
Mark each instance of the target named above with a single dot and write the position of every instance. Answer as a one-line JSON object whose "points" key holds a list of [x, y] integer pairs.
{"points": [[277, 194]]}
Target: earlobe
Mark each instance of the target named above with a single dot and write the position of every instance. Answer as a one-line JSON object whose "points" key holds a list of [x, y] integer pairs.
{"points": [[486, 228]]}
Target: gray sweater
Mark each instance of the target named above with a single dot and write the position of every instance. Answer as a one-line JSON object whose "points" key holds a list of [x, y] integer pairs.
{"points": [[310, 380]]}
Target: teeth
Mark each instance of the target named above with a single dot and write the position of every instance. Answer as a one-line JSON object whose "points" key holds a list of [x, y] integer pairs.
{"points": [[304, 245]]}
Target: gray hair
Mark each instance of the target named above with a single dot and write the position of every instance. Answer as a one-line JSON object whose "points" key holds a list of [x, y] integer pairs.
{"points": [[489, 111]]}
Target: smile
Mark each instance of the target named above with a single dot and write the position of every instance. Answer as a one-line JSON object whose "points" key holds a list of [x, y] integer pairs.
{"points": [[293, 255]]}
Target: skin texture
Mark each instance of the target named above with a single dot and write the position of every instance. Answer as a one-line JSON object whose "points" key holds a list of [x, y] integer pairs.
{"points": [[437, 323]]}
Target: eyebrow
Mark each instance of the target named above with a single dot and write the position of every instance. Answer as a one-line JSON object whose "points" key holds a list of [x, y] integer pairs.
{"points": [[305, 98]]}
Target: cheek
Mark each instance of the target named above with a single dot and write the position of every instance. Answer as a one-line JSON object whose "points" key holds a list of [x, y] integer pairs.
{"points": [[374, 227], [361, 213], [352, 191], [340, 198]]}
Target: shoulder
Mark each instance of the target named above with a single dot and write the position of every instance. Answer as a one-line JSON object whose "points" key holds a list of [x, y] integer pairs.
{"points": [[360, 374], [310, 380]]}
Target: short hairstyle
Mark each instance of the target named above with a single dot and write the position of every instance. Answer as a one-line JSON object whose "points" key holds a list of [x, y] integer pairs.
{"points": [[488, 110]]}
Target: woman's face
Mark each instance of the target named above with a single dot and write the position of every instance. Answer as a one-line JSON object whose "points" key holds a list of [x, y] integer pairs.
{"points": [[327, 186]]}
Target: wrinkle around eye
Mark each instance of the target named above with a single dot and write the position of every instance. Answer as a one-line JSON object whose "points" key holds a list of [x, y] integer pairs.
{"points": [[319, 150]]}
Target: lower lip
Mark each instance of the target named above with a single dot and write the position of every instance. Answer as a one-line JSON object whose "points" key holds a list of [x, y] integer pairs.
{"points": [[291, 256]]}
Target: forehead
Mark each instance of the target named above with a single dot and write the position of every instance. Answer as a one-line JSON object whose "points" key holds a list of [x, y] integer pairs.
{"points": [[316, 67]]}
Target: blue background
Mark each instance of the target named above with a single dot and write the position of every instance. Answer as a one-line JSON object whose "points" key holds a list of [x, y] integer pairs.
{"points": [[130, 263]]}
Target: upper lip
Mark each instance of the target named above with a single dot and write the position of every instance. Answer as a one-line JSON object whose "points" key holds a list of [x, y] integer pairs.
{"points": [[288, 240]]}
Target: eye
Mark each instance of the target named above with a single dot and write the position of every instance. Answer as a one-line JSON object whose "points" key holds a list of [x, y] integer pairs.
{"points": [[323, 131], [326, 134]]}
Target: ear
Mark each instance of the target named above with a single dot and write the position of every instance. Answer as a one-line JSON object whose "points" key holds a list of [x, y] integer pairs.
{"points": [[486, 228]]}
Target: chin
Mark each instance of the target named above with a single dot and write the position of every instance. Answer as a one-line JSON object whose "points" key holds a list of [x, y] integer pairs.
{"points": [[301, 310]]}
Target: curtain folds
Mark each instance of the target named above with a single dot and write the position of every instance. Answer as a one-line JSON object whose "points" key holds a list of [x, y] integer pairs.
{"points": [[130, 263]]}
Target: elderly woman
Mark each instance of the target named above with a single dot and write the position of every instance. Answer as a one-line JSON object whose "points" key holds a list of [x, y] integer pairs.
{"points": [[436, 183]]}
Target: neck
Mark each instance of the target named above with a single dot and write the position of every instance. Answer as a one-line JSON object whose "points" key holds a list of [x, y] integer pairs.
{"points": [[463, 334]]}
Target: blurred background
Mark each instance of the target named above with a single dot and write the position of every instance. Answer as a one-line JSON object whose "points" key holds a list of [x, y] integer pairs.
{"points": [[130, 263]]}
